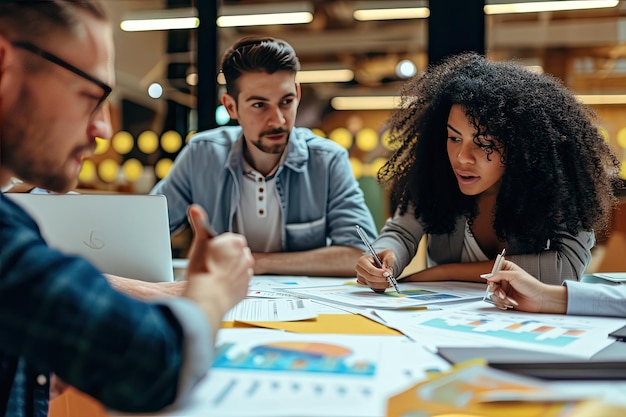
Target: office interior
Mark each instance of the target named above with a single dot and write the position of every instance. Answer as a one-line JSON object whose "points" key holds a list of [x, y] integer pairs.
{"points": [[355, 55], [167, 86]]}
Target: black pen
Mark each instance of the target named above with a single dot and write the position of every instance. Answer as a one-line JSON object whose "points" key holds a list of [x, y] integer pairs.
{"points": [[379, 263]]}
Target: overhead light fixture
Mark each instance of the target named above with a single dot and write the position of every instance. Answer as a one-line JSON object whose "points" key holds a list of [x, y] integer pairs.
{"points": [[548, 6], [325, 76], [265, 14], [166, 19], [365, 103], [393, 102], [391, 14], [229, 16], [265, 19], [590, 99], [340, 75], [390, 10]]}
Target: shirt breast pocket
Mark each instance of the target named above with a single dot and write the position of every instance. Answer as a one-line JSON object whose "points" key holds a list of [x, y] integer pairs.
{"points": [[306, 236]]}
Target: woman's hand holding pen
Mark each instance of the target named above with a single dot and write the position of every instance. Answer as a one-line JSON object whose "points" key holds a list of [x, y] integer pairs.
{"points": [[513, 287], [367, 273]]}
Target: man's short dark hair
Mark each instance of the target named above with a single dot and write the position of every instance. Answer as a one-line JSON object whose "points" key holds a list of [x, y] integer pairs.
{"points": [[257, 54], [30, 20]]}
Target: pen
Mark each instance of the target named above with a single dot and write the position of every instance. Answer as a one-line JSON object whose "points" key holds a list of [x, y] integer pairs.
{"points": [[379, 263], [497, 264]]}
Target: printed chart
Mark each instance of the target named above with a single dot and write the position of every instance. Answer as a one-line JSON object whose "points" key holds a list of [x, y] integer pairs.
{"points": [[268, 373], [309, 357], [412, 294], [568, 335]]}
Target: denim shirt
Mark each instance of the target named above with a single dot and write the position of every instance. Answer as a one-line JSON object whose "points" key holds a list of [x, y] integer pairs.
{"points": [[588, 299], [59, 314], [320, 199]]}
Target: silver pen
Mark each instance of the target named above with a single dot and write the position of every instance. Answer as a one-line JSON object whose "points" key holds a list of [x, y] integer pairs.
{"points": [[497, 264], [379, 263]]}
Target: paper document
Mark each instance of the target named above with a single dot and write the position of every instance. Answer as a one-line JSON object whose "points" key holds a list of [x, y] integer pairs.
{"points": [[413, 294], [265, 373], [578, 336], [264, 309]]}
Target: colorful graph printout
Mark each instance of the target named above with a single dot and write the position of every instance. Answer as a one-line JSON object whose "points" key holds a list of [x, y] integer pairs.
{"points": [[485, 326], [305, 356], [270, 373], [413, 294]]}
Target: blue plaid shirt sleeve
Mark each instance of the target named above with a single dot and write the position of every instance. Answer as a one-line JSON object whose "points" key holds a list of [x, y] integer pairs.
{"points": [[59, 314]]}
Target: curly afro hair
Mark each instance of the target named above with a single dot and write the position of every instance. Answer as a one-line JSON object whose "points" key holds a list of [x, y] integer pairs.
{"points": [[559, 171]]}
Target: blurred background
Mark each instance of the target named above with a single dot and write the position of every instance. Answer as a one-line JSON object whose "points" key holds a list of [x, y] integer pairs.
{"points": [[355, 55]]}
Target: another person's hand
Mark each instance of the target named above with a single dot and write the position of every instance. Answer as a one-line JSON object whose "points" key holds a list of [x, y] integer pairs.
{"points": [[219, 268], [515, 288], [367, 273], [146, 290]]}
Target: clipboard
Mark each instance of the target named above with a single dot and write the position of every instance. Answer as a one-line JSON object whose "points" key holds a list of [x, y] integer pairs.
{"points": [[540, 365]]}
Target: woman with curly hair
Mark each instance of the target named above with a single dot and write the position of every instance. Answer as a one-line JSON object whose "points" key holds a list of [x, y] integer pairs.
{"points": [[491, 156]]}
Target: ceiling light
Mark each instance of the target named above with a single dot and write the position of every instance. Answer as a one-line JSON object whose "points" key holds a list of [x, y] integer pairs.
{"points": [[325, 76], [166, 19], [155, 90], [391, 14], [590, 99], [265, 14], [406, 69], [192, 79], [390, 9], [365, 103], [340, 75], [265, 19], [548, 6], [230, 16]]}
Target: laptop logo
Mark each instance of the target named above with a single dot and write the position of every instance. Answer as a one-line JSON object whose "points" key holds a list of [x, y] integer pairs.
{"points": [[94, 241]]}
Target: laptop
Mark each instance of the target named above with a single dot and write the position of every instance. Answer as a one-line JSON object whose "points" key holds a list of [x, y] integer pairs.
{"points": [[121, 234]]}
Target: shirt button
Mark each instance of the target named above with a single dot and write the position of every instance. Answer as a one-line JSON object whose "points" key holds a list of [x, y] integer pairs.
{"points": [[261, 190], [42, 379], [260, 198], [261, 212]]}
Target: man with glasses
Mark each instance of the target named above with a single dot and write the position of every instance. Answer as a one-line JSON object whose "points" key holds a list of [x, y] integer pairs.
{"points": [[58, 314]]}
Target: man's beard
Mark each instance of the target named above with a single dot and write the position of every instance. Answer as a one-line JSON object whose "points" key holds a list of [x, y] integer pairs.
{"points": [[273, 148]]}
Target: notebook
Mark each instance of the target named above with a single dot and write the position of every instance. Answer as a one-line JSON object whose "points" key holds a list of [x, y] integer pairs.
{"points": [[125, 235], [541, 365]]}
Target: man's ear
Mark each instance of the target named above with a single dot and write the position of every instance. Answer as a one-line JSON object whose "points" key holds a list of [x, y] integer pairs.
{"points": [[298, 91], [230, 104]]}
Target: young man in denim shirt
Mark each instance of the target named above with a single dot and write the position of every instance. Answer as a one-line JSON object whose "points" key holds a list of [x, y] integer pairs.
{"points": [[290, 192]]}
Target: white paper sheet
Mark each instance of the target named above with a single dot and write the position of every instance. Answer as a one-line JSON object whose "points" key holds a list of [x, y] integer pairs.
{"points": [[413, 294], [265, 373], [265, 309], [479, 324]]}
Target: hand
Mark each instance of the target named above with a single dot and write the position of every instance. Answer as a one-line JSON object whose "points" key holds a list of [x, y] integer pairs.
{"points": [[219, 268], [513, 287], [145, 290], [367, 273]]}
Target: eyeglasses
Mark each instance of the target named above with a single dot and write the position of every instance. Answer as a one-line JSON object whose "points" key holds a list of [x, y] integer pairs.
{"points": [[62, 63]]}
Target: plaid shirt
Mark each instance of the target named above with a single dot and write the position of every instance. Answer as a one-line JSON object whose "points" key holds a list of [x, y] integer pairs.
{"points": [[59, 314]]}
